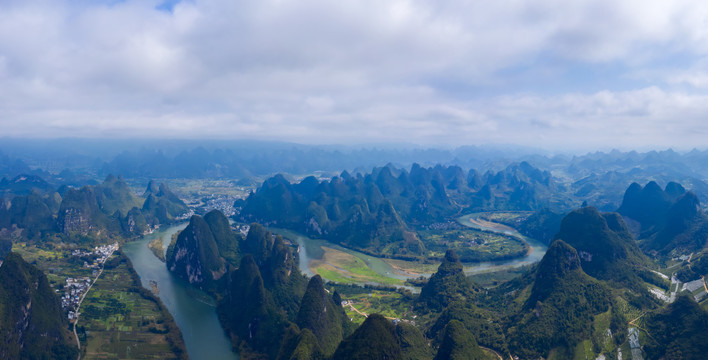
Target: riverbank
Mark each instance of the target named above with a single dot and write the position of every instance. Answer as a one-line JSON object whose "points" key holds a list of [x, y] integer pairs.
{"points": [[384, 271], [203, 335], [120, 319]]}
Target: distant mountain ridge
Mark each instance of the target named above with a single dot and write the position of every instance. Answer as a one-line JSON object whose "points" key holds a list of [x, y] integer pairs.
{"points": [[378, 212], [666, 219]]}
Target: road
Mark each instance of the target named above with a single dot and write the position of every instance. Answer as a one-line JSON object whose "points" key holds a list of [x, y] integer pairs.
{"points": [[76, 321]]}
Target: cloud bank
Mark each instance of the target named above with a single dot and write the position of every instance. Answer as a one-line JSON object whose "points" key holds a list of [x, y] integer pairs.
{"points": [[544, 73]]}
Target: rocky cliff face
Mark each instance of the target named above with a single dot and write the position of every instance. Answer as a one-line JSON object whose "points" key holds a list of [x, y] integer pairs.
{"points": [[195, 256], [79, 212]]}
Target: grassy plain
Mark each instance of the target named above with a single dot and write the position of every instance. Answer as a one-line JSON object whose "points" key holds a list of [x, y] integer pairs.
{"points": [[345, 268]]}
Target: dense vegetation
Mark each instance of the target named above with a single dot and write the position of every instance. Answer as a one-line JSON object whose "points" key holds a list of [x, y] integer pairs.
{"points": [[195, 255], [678, 332], [107, 210], [32, 322], [382, 212]]}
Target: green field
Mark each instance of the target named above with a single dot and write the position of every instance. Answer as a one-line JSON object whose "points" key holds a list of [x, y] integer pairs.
{"points": [[345, 268], [510, 218], [473, 245], [120, 320], [55, 261], [391, 304]]}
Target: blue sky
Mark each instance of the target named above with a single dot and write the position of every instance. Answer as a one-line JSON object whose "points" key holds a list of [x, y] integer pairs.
{"points": [[578, 75]]}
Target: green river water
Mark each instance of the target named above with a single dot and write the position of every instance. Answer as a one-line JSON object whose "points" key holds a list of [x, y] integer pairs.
{"points": [[193, 311]]}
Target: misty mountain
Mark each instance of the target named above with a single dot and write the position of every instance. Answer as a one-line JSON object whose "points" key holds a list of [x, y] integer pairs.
{"points": [[665, 220]]}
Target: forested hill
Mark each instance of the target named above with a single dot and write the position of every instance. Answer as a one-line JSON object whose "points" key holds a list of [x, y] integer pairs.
{"points": [[32, 322], [109, 208], [381, 208]]}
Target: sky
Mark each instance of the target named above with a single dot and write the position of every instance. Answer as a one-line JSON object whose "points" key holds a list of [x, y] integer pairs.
{"points": [[550, 74]]}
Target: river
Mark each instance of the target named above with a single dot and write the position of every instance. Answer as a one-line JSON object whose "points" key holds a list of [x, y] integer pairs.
{"points": [[311, 249], [193, 311], [534, 255]]}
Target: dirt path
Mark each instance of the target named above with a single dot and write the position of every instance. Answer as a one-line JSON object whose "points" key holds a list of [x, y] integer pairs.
{"points": [[363, 313], [76, 321], [357, 310], [495, 353], [638, 317]]}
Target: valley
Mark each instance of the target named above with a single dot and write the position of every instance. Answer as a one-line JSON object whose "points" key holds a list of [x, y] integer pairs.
{"points": [[430, 257]]}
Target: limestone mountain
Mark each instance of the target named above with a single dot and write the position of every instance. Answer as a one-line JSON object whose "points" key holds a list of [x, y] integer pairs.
{"points": [[80, 213], [560, 309], [378, 338], [161, 204], [195, 255], [280, 272], [605, 246], [542, 225], [263, 295], [249, 313], [321, 315], [484, 324], [25, 184], [686, 227], [32, 322], [34, 213], [669, 219], [458, 344], [380, 211], [678, 332], [299, 345], [227, 241], [134, 222], [447, 285], [115, 195]]}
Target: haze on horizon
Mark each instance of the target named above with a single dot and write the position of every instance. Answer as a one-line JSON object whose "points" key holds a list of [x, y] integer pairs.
{"points": [[547, 74]]}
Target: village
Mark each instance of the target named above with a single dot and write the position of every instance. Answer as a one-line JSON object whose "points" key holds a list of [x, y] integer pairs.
{"points": [[76, 288]]}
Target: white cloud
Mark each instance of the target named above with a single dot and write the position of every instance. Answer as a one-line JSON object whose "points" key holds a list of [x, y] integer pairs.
{"points": [[351, 71]]}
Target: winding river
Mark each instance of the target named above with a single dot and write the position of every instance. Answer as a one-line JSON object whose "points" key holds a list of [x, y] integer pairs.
{"points": [[311, 249], [193, 311], [534, 255]]}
